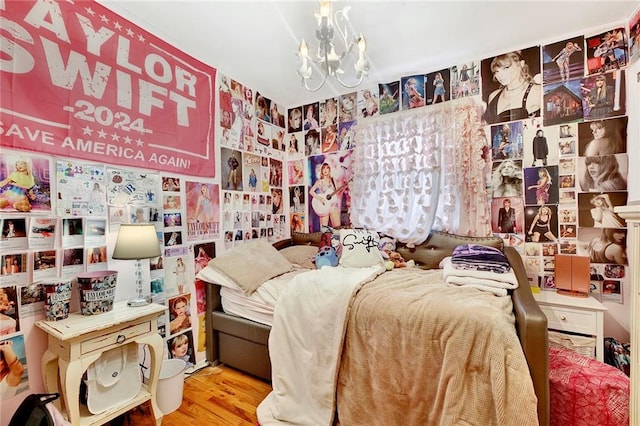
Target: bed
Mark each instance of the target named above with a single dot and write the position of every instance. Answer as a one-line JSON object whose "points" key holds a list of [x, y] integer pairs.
{"points": [[243, 343]]}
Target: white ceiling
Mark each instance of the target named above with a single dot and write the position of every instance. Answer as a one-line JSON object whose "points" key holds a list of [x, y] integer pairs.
{"points": [[255, 42]]}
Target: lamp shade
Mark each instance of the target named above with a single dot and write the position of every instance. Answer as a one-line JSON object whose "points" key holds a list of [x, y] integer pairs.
{"points": [[136, 241]]}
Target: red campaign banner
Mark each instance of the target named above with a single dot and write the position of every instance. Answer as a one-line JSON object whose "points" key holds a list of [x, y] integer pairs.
{"points": [[78, 80]]}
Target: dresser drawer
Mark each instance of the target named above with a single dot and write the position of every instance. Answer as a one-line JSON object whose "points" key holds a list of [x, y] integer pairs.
{"points": [[567, 319], [116, 338]]}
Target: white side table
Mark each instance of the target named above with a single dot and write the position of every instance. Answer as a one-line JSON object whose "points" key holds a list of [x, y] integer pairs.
{"points": [[584, 315], [78, 341]]}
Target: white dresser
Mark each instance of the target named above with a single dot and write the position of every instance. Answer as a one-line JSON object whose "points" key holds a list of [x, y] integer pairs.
{"points": [[584, 315]]}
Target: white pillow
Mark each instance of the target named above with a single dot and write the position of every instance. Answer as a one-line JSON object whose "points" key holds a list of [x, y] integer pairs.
{"points": [[251, 264], [359, 248], [213, 276]]}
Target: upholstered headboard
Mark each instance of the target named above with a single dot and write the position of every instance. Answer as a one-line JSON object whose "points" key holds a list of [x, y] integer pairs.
{"points": [[306, 238], [439, 245], [426, 255]]}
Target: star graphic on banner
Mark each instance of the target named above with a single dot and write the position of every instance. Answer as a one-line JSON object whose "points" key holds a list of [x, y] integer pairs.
{"points": [[130, 32], [87, 130], [104, 19], [115, 137], [141, 38], [102, 134], [89, 11], [139, 142], [117, 25], [127, 140]]}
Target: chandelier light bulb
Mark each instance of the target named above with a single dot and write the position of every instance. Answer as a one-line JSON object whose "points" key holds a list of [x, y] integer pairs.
{"points": [[304, 50], [362, 44], [325, 9]]}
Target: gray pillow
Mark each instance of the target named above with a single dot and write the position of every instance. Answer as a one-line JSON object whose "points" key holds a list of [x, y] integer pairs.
{"points": [[251, 264], [301, 255]]}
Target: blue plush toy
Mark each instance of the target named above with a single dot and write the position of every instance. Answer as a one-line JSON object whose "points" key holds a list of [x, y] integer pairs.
{"points": [[326, 257]]}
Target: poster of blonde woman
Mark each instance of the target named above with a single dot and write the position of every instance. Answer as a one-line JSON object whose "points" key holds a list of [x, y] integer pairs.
{"points": [[24, 183], [203, 211], [368, 102]]}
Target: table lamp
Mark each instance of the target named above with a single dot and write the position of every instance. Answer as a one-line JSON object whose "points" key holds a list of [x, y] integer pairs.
{"points": [[137, 241]]}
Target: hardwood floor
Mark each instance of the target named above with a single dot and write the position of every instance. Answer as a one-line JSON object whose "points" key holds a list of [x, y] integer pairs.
{"points": [[219, 396]]}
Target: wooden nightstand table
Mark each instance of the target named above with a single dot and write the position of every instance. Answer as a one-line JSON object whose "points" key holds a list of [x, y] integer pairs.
{"points": [[584, 315], [78, 341]]}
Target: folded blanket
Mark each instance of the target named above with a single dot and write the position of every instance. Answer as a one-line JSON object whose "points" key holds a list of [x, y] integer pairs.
{"points": [[475, 250], [480, 266], [496, 283], [479, 257]]}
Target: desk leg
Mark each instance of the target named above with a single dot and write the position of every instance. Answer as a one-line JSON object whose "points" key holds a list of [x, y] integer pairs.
{"points": [[156, 349], [70, 375], [50, 376]]}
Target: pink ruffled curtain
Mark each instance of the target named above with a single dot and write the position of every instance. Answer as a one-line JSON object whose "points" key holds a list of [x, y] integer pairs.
{"points": [[422, 169]]}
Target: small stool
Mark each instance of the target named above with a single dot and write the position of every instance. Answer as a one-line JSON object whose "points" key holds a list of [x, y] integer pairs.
{"points": [[584, 391]]}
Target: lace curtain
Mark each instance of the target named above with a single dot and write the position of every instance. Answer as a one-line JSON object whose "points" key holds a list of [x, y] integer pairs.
{"points": [[422, 169]]}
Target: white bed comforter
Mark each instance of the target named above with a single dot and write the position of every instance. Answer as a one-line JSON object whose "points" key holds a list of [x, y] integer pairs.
{"points": [[305, 345]]}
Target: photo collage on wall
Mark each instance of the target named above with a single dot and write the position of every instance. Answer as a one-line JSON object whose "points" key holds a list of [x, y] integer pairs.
{"points": [[557, 127], [254, 143], [543, 116], [260, 141], [189, 221], [77, 205], [321, 140], [327, 143]]}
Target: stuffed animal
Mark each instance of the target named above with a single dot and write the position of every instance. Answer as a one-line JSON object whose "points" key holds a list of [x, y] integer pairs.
{"points": [[386, 246], [393, 259], [326, 257], [397, 260]]}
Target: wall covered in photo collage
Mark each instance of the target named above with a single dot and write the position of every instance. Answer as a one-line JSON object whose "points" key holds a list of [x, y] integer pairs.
{"points": [[69, 218], [560, 160], [556, 127], [252, 158], [556, 130]]}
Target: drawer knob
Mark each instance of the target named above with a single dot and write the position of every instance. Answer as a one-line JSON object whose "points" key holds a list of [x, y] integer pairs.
{"points": [[563, 318], [121, 338]]}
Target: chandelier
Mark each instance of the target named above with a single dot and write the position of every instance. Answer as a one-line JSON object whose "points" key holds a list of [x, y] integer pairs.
{"points": [[326, 58]]}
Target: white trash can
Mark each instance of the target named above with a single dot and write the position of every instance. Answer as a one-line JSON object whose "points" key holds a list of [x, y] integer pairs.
{"points": [[170, 384]]}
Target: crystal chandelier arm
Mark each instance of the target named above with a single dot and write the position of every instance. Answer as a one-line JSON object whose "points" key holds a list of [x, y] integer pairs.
{"points": [[361, 76], [341, 18], [305, 71], [304, 82]]}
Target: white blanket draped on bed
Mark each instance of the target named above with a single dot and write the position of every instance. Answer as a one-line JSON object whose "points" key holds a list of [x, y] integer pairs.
{"points": [[306, 342]]}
